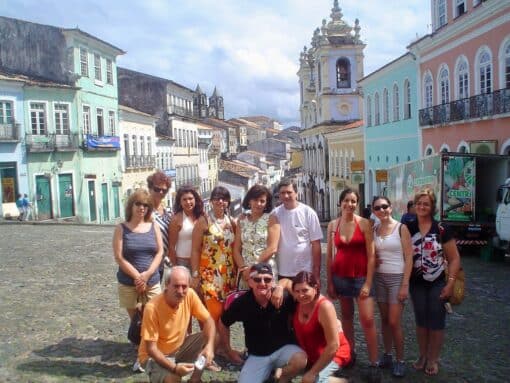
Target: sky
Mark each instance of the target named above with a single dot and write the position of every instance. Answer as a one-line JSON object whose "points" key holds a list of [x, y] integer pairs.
{"points": [[248, 49]]}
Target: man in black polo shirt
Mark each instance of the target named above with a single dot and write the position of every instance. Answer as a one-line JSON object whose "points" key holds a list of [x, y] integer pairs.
{"points": [[270, 342]]}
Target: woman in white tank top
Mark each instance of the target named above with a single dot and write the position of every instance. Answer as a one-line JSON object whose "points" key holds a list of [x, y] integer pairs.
{"points": [[188, 207], [393, 251]]}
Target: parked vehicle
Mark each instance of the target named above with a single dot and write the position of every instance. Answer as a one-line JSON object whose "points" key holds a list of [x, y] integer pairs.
{"points": [[466, 186]]}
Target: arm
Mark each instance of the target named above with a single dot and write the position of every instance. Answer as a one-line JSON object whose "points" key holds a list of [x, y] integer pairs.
{"points": [[453, 258], [369, 244], [209, 331], [238, 245], [329, 259], [173, 234], [316, 258], [179, 369], [329, 323], [124, 265], [273, 237], [407, 249], [277, 292], [196, 248]]}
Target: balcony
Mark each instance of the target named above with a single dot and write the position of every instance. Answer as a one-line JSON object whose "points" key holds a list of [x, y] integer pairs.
{"points": [[66, 142], [180, 111], [137, 162], [195, 182], [37, 143], [476, 107], [9, 132], [100, 143]]}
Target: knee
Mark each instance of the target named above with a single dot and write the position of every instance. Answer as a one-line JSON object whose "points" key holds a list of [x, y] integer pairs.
{"points": [[367, 322], [298, 361]]}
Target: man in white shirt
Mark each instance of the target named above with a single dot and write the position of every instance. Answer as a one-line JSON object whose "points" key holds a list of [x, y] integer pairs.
{"points": [[299, 247]]}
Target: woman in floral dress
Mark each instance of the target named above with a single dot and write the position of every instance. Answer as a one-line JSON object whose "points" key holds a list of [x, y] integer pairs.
{"points": [[257, 233]]}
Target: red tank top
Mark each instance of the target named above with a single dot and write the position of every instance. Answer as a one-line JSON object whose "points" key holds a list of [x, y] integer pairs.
{"points": [[310, 337], [351, 257]]}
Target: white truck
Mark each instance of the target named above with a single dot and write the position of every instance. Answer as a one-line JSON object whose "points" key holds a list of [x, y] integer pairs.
{"points": [[470, 198]]}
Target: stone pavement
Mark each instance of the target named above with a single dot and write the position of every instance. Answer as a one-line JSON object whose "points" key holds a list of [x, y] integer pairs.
{"points": [[60, 320]]}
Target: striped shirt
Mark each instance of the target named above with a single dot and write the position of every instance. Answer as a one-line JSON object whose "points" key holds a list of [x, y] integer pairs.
{"points": [[163, 221]]}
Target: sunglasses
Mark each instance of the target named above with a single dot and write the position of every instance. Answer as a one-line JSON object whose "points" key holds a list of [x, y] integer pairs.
{"points": [[265, 279], [383, 206], [159, 190], [138, 204]]}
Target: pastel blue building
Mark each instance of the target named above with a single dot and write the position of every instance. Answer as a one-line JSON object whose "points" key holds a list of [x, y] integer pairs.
{"points": [[13, 161], [391, 132]]}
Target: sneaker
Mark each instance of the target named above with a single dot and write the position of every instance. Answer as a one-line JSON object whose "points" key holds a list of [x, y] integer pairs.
{"points": [[137, 367], [374, 374], [399, 369], [386, 361]]}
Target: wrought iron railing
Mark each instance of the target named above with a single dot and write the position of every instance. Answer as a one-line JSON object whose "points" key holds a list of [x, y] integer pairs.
{"points": [[9, 132], [40, 142], [66, 142]]}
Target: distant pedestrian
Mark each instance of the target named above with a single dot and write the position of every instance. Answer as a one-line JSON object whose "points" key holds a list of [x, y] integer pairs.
{"points": [[21, 208], [410, 215], [27, 205]]}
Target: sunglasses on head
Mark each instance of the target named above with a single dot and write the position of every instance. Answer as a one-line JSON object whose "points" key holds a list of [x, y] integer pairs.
{"points": [[383, 206], [159, 190], [265, 279], [138, 204]]}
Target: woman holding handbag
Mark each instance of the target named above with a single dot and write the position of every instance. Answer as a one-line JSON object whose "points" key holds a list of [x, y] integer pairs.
{"points": [[432, 244]]}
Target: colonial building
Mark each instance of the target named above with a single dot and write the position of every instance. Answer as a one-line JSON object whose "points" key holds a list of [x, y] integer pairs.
{"points": [[330, 100], [464, 76], [203, 109]]}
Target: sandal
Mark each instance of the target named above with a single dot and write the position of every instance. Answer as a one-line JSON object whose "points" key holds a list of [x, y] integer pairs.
{"points": [[214, 367], [419, 364], [432, 368]]}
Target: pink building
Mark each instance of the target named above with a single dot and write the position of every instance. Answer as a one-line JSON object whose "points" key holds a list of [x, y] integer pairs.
{"points": [[464, 77]]}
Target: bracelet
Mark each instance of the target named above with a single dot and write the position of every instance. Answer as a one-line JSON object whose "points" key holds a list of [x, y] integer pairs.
{"points": [[451, 278]]}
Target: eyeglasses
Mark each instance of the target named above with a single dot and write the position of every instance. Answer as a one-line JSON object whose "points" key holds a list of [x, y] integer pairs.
{"points": [[379, 207], [265, 279], [138, 204], [159, 190]]}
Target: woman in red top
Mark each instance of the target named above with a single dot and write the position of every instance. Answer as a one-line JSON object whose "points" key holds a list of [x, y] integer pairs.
{"points": [[350, 268], [318, 331]]}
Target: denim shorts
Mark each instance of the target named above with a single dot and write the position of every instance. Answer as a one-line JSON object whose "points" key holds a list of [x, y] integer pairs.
{"points": [[429, 310], [350, 287]]}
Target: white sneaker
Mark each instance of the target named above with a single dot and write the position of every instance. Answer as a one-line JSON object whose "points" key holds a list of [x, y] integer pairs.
{"points": [[137, 367]]}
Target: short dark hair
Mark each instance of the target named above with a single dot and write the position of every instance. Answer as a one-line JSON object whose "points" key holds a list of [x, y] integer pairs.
{"points": [[308, 278], [198, 210], [348, 191], [221, 192], [257, 191], [287, 182], [383, 198], [158, 178]]}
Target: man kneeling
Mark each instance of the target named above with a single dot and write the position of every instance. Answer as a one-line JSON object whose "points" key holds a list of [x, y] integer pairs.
{"points": [[169, 353], [271, 345]]}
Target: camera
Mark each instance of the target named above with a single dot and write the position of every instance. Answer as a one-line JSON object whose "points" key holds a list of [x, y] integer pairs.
{"points": [[200, 362]]}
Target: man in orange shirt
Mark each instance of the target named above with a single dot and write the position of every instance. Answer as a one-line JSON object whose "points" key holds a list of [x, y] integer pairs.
{"points": [[166, 349]]}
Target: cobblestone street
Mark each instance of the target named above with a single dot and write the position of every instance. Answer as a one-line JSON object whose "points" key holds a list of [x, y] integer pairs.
{"points": [[60, 320]]}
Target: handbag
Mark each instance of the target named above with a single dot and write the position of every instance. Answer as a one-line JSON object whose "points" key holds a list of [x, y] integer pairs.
{"points": [[135, 327], [458, 287], [233, 295]]}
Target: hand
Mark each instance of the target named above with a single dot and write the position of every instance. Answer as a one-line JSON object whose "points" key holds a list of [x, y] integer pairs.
{"points": [[246, 274], [145, 276], [209, 355], [403, 293], [182, 369], [140, 289], [365, 291], [446, 292], [309, 377], [277, 296]]}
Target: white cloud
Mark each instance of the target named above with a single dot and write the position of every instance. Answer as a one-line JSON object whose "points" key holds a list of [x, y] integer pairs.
{"points": [[248, 49]]}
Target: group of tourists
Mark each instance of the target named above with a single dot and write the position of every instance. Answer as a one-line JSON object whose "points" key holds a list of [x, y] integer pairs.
{"points": [[263, 269]]}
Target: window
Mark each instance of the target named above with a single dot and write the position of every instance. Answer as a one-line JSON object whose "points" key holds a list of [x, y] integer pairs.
{"points": [[485, 72], [142, 145], [61, 118], [84, 62], [97, 67], [126, 144], [462, 79], [444, 85], [396, 103], [377, 109], [319, 76], [38, 117], [149, 146], [343, 73], [506, 66], [135, 144], [109, 72], [111, 122], [386, 107], [100, 122], [460, 7], [441, 13], [6, 112], [407, 99], [369, 111], [86, 119], [428, 90]]}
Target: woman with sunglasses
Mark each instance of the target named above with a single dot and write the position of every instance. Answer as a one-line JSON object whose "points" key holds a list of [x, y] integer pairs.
{"points": [[350, 265], [434, 249], [188, 208], [393, 251], [159, 184], [138, 250], [257, 233], [213, 270]]}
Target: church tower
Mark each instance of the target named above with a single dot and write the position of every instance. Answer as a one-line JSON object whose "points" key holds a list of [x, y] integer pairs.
{"points": [[199, 103], [329, 73], [216, 108]]}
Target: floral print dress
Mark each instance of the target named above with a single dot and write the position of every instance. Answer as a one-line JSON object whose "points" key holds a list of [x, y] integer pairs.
{"points": [[217, 268], [254, 241]]}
